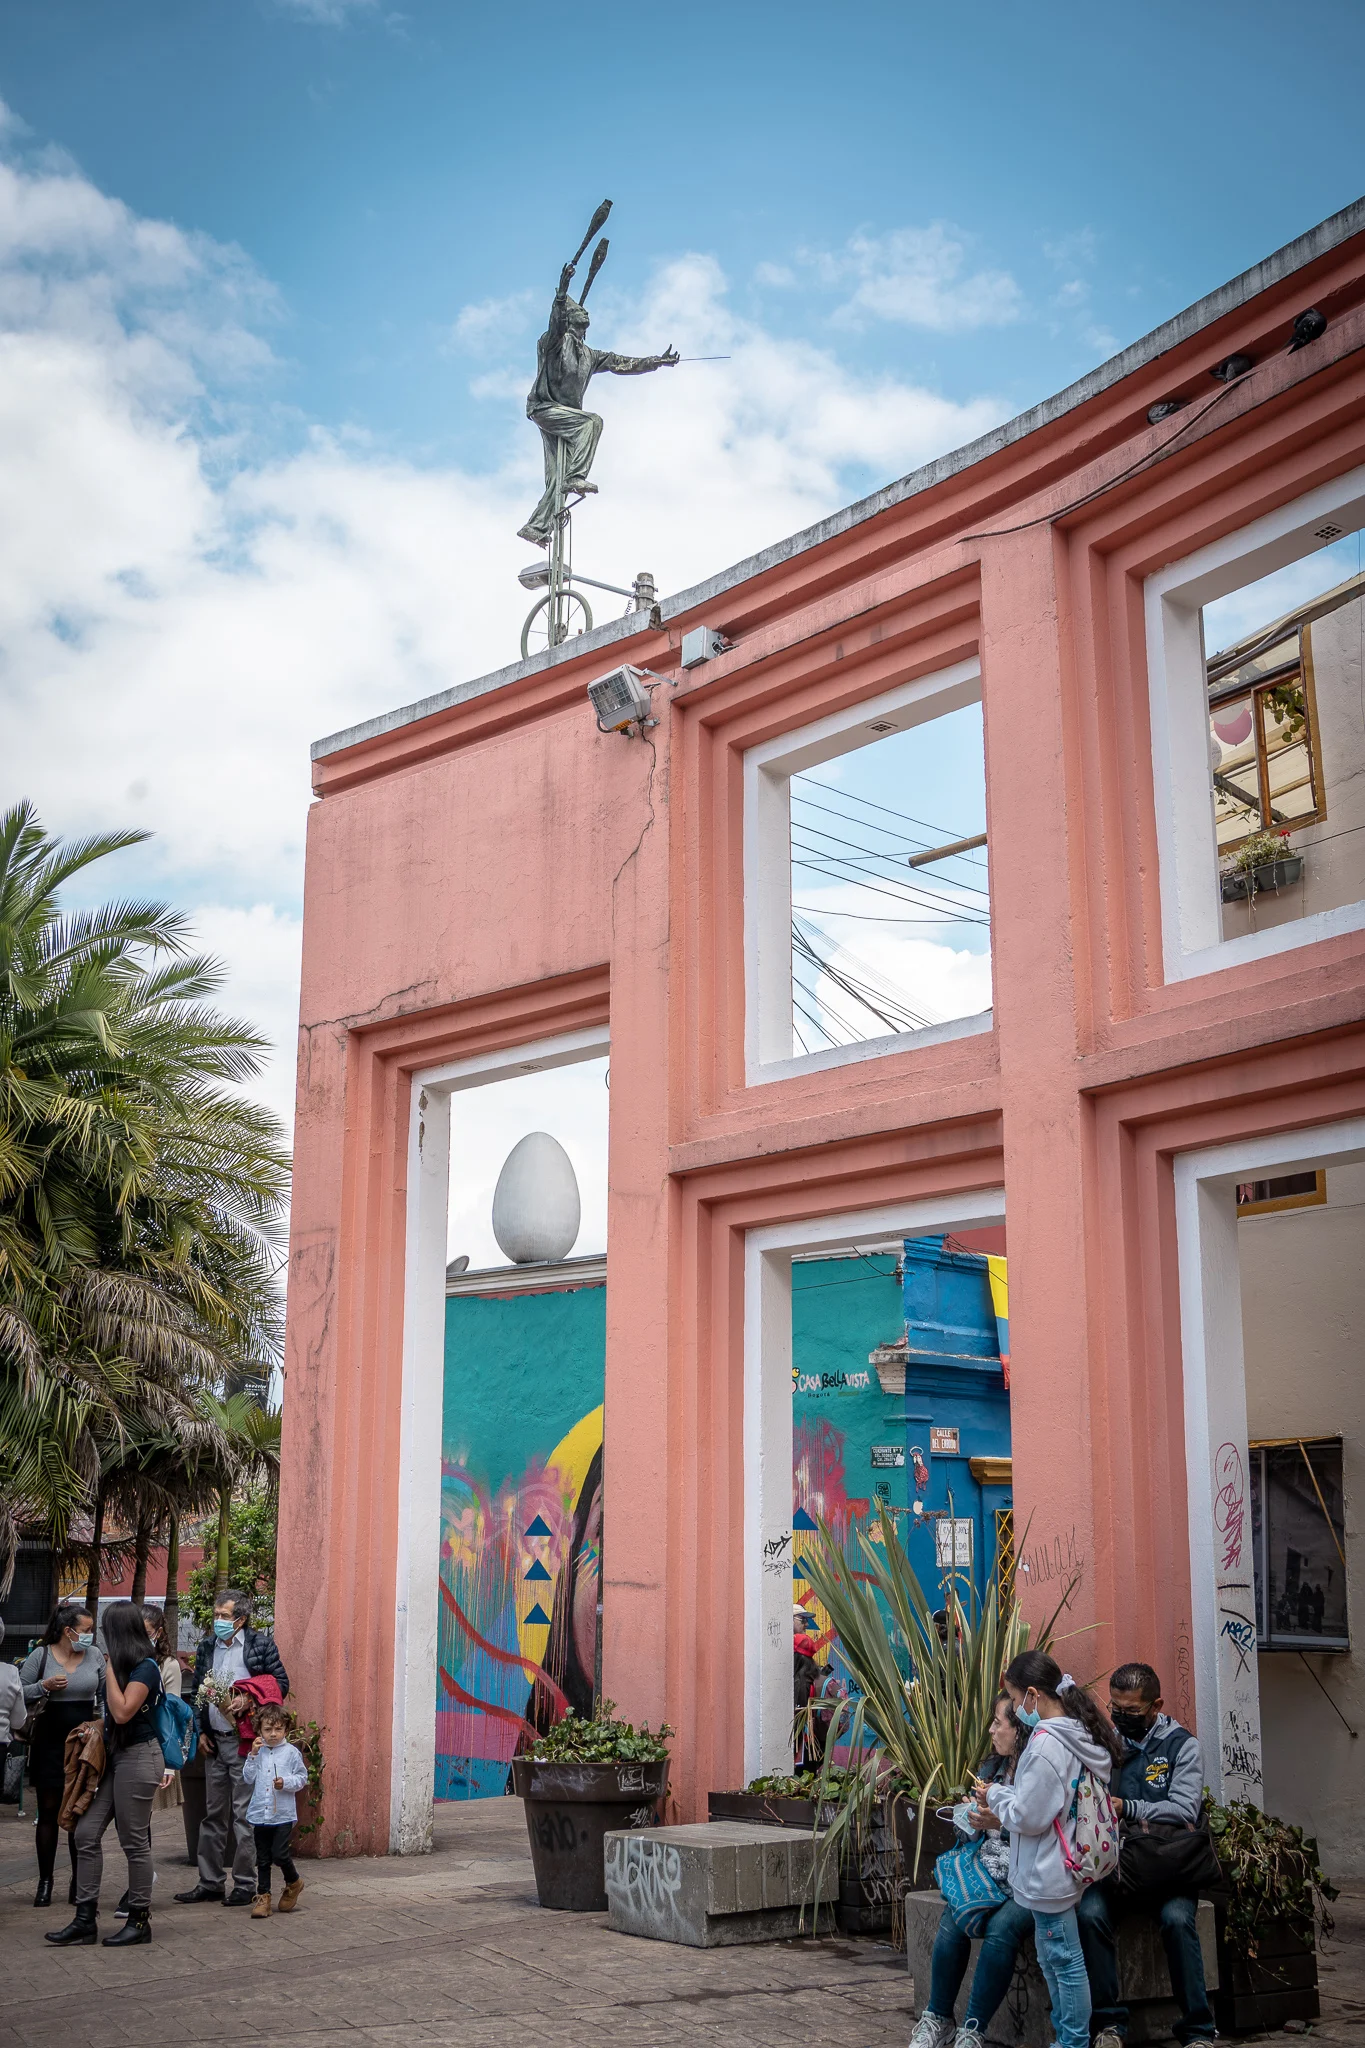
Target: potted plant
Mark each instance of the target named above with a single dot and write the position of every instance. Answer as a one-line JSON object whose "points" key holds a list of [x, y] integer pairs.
{"points": [[1265, 861], [583, 1779], [1272, 1901], [923, 1732]]}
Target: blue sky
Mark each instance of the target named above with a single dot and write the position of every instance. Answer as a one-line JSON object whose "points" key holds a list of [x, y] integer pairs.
{"points": [[271, 273]]}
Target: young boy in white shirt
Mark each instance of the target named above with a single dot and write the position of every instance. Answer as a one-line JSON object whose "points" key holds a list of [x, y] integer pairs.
{"points": [[275, 1772]]}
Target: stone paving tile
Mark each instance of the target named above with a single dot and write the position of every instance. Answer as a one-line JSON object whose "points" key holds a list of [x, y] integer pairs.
{"points": [[452, 1951]]}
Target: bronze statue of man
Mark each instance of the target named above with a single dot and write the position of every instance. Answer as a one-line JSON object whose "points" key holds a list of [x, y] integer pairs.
{"points": [[564, 363]]}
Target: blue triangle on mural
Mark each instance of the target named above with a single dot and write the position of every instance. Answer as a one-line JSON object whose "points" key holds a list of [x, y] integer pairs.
{"points": [[801, 1520], [537, 1571], [798, 1570], [538, 1528], [538, 1617]]}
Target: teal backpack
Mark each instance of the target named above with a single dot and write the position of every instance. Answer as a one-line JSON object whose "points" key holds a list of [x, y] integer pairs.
{"points": [[177, 1729]]}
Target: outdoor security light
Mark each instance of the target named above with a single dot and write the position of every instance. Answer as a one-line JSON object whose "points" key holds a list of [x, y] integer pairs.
{"points": [[535, 576], [620, 699]]}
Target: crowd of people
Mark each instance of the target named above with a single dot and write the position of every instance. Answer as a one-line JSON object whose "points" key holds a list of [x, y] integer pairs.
{"points": [[104, 1747], [1047, 1734]]}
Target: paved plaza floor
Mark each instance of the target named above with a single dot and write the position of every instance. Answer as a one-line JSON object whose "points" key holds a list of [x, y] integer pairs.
{"points": [[452, 1949]]}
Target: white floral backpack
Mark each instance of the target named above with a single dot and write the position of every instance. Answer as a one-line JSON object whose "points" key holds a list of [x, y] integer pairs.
{"points": [[1089, 1836]]}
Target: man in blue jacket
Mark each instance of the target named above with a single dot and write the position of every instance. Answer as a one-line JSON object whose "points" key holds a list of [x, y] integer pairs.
{"points": [[233, 1650], [1160, 1779]]}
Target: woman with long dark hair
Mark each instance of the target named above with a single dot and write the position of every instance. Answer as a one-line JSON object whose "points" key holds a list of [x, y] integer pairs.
{"points": [[133, 1770], [1005, 1932], [60, 1680], [1068, 1735]]}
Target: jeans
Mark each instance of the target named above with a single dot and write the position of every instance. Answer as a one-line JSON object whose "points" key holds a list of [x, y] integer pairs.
{"points": [[124, 1795], [1099, 1913], [1008, 1927], [226, 1798], [1058, 1942], [273, 1844]]}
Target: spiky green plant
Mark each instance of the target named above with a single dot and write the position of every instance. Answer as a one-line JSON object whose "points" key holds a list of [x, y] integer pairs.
{"points": [[919, 1737]]}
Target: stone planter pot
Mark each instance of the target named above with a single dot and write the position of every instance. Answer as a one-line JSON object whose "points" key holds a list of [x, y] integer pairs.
{"points": [[1279, 1983], [1266, 879], [569, 1810], [766, 1811]]}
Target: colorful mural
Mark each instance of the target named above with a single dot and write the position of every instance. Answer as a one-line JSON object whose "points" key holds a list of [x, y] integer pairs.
{"points": [[521, 1525], [521, 1499]]}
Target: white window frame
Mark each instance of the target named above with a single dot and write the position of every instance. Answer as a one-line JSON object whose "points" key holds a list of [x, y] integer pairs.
{"points": [[1226, 1679], [1191, 909], [768, 1253], [768, 769], [412, 1784]]}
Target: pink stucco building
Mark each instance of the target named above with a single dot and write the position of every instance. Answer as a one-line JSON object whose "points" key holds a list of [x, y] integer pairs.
{"points": [[493, 884]]}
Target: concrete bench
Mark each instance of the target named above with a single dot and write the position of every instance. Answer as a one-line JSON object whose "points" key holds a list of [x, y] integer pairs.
{"points": [[715, 1884], [1024, 2016]]}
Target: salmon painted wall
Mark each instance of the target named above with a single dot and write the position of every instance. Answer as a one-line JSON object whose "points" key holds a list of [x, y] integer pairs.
{"points": [[496, 870]]}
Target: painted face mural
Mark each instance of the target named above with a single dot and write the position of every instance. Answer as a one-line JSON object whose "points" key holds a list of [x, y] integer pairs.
{"points": [[519, 1577]]}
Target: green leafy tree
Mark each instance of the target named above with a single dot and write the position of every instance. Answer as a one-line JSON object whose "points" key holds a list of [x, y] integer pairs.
{"points": [[140, 1192], [253, 1532]]}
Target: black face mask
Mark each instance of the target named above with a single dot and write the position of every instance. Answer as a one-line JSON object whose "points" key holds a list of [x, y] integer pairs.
{"points": [[1133, 1727]]}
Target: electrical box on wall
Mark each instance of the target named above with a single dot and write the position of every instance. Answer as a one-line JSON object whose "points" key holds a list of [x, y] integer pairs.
{"points": [[702, 643]]}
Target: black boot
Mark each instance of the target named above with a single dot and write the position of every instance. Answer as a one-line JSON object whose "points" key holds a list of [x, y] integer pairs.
{"points": [[137, 1927], [43, 1895], [71, 1890], [84, 1928]]}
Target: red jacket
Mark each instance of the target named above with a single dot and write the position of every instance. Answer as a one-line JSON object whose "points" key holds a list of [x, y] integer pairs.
{"points": [[265, 1693]]}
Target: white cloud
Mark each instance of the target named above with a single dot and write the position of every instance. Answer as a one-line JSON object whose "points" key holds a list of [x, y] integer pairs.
{"points": [[181, 612], [328, 13], [917, 277], [493, 322], [778, 276]]}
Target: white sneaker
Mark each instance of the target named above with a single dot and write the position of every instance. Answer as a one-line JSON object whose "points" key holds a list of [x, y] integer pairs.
{"points": [[1108, 2037], [968, 2035], [933, 2032]]}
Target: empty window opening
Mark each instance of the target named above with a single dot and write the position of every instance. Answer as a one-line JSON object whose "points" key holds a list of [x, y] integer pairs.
{"points": [[1285, 675], [890, 886]]}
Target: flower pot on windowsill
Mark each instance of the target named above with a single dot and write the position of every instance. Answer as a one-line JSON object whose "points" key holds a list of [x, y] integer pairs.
{"points": [[1269, 877]]}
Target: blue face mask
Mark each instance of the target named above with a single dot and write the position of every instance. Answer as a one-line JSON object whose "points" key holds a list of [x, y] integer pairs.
{"points": [[224, 1630], [1025, 1718], [83, 1642]]}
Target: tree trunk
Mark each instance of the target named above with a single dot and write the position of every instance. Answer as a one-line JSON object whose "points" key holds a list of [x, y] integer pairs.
{"points": [[92, 1581], [141, 1545], [220, 1576], [172, 1607]]}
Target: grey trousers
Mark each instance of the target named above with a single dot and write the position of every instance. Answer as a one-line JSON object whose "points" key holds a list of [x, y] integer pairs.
{"points": [[580, 432], [124, 1796], [226, 1798]]}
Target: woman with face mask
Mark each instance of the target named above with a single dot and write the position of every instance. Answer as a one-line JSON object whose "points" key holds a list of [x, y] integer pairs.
{"points": [[1068, 1734], [60, 1679]]}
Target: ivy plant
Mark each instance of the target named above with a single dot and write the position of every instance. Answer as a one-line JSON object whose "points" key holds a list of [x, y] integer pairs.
{"points": [[602, 1740]]}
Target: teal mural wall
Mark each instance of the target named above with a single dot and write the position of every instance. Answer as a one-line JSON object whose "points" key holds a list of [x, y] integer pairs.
{"points": [[521, 1484], [520, 1523]]}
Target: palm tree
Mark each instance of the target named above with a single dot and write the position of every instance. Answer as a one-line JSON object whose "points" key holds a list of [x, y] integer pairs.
{"points": [[252, 1434], [140, 1192]]}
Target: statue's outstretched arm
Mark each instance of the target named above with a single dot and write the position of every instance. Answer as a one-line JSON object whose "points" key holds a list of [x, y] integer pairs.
{"points": [[632, 366]]}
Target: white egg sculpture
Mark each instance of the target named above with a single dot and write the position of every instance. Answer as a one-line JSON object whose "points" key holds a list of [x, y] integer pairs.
{"points": [[536, 1209]]}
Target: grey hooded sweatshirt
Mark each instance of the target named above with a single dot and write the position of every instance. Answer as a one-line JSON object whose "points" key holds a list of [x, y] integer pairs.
{"points": [[1041, 1793]]}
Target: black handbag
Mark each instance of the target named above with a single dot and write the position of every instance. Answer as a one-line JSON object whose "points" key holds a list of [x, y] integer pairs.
{"points": [[1167, 1856]]}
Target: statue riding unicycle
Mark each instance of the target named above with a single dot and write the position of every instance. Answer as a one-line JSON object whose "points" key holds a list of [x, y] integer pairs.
{"points": [[564, 365]]}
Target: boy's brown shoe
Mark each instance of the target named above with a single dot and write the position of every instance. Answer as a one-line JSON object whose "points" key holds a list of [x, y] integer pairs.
{"points": [[260, 1906], [289, 1897]]}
